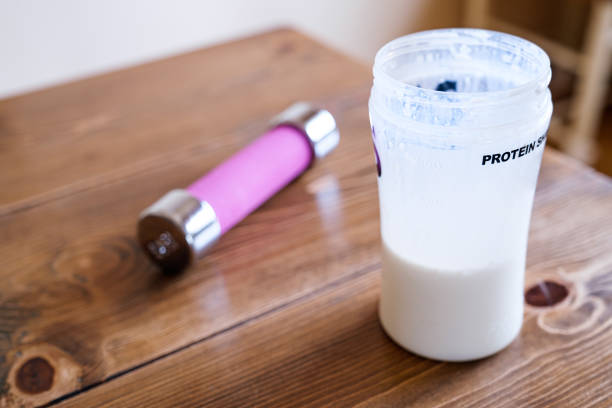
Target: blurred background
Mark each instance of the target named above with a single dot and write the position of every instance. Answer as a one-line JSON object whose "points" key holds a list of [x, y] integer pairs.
{"points": [[49, 42]]}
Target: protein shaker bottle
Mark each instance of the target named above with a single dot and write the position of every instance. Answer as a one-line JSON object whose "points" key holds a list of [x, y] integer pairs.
{"points": [[459, 120]]}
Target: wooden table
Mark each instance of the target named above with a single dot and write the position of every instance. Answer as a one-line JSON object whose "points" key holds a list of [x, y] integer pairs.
{"points": [[283, 311]]}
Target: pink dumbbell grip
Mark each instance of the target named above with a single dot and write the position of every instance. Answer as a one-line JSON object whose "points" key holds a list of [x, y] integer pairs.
{"points": [[246, 180]]}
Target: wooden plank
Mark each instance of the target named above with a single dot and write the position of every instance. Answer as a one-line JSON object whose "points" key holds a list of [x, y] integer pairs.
{"points": [[74, 137], [590, 100], [79, 303], [561, 55], [328, 349], [476, 13]]}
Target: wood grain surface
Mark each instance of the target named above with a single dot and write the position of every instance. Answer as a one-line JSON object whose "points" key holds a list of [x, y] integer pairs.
{"points": [[283, 311]]}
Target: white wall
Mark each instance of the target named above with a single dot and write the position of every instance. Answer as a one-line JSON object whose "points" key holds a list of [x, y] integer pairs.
{"points": [[45, 42]]}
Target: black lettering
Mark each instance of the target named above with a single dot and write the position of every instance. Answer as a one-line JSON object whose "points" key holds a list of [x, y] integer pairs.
{"points": [[513, 154], [531, 147], [540, 140]]}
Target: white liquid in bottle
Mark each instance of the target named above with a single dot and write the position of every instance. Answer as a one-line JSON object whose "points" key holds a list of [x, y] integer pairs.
{"points": [[451, 315]]}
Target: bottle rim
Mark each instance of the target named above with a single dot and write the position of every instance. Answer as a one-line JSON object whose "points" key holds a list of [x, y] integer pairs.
{"points": [[429, 39]]}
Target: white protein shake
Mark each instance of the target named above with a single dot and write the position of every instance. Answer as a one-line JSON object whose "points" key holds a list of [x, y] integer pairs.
{"points": [[450, 315], [459, 120]]}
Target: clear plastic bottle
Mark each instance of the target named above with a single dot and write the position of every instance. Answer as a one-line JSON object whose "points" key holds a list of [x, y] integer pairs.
{"points": [[457, 173]]}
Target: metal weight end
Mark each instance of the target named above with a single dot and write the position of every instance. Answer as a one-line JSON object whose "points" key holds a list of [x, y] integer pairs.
{"points": [[177, 229], [318, 125]]}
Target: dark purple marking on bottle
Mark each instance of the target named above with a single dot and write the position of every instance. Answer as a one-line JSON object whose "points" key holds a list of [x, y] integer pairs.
{"points": [[378, 169]]}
